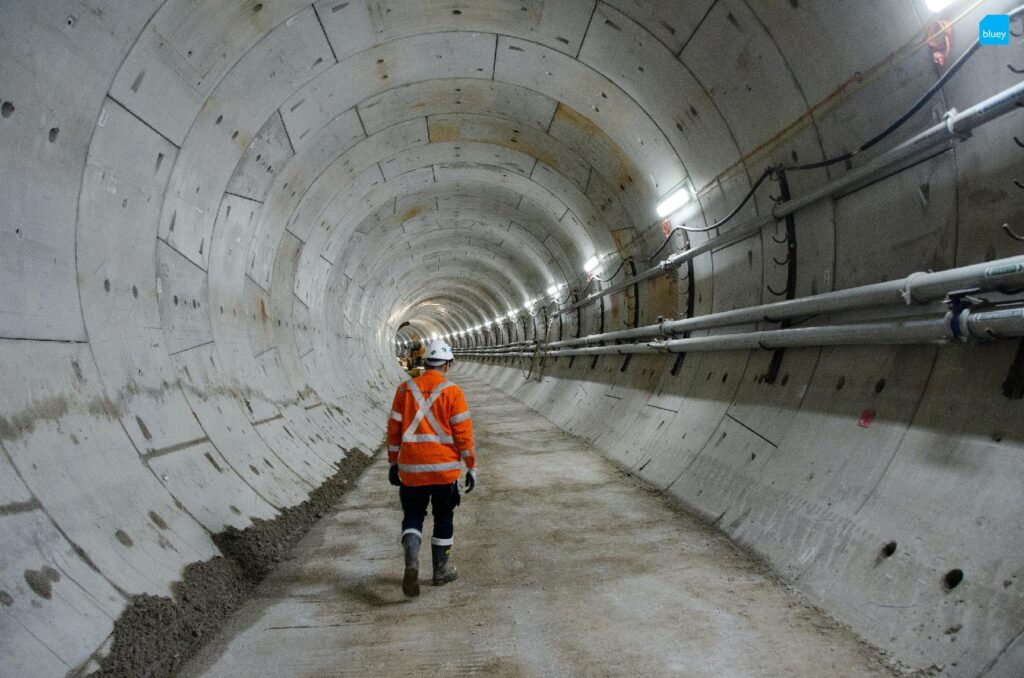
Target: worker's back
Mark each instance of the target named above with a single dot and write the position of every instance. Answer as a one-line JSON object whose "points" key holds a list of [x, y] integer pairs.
{"points": [[430, 431]]}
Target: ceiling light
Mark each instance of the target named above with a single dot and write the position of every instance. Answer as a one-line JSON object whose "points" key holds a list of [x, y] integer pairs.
{"points": [[681, 197], [553, 290], [937, 5], [590, 265]]}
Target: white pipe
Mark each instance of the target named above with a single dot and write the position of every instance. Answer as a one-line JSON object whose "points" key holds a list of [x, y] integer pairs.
{"points": [[956, 125], [916, 288], [968, 325]]}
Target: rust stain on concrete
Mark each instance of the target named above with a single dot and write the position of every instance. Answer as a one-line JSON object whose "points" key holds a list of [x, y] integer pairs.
{"points": [[410, 213], [624, 169], [442, 131]]}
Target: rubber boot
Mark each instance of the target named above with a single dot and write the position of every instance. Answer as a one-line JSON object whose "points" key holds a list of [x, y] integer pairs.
{"points": [[411, 580], [443, 572]]}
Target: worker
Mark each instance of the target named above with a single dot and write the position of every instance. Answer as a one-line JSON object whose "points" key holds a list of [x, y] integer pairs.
{"points": [[430, 435], [416, 351]]}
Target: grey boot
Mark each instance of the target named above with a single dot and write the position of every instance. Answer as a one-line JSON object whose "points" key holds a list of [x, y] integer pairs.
{"points": [[411, 580], [443, 572]]}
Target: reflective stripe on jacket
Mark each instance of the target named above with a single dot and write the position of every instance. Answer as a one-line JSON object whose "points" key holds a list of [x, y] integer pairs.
{"points": [[430, 432]]}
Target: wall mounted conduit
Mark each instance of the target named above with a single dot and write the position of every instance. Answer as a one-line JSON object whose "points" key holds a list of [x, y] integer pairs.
{"points": [[968, 325], [916, 288], [956, 125]]}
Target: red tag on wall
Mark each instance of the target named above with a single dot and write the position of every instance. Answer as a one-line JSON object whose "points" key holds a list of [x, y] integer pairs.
{"points": [[866, 417], [666, 227]]}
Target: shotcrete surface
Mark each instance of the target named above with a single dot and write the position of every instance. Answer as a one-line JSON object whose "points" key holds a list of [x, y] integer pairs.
{"points": [[568, 567]]}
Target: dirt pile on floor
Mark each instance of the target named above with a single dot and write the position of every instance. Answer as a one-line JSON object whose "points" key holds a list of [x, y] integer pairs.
{"points": [[155, 635]]}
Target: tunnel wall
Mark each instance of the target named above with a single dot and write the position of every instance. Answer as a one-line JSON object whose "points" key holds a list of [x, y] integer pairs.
{"points": [[216, 214], [154, 391], [867, 520]]}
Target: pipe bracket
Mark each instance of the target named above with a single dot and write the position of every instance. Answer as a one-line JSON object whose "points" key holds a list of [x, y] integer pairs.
{"points": [[950, 118]]}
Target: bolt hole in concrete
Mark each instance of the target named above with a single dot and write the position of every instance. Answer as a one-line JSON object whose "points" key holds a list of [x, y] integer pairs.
{"points": [[7, 109], [952, 579], [54, 131], [889, 549], [879, 385]]}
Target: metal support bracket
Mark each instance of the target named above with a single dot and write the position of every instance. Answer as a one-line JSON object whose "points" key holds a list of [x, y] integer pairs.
{"points": [[950, 118], [959, 303]]}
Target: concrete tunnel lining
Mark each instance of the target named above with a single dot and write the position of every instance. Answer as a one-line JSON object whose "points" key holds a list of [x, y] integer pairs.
{"points": [[202, 275]]}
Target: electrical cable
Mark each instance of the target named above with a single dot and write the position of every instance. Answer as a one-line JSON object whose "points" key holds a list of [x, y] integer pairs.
{"points": [[896, 124], [600, 279], [664, 243], [768, 171]]}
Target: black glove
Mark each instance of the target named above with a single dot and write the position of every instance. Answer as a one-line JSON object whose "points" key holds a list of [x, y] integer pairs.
{"points": [[393, 476], [470, 480]]}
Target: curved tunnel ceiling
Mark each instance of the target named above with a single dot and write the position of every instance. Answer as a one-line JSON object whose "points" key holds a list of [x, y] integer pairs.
{"points": [[219, 216]]}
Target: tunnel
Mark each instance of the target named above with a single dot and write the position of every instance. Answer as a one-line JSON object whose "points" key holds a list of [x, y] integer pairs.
{"points": [[735, 290]]}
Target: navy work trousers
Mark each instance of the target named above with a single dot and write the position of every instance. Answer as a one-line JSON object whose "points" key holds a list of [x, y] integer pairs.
{"points": [[442, 498]]}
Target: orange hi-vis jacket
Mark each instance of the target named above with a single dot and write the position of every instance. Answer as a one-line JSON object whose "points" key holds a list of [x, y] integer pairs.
{"points": [[430, 432]]}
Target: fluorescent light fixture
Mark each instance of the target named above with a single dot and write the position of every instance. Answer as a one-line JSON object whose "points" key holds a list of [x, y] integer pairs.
{"points": [[591, 264], [553, 290], [680, 197], [528, 305], [937, 5]]}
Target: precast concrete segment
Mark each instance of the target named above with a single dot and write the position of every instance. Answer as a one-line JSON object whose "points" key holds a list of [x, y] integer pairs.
{"points": [[180, 337], [567, 567], [829, 495]]}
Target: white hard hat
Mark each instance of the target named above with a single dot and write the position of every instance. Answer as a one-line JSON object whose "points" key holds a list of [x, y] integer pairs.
{"points": [[438, 351]]}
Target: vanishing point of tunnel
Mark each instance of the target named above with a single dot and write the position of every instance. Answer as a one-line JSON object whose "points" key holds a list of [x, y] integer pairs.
{"points": [[734, 290]]}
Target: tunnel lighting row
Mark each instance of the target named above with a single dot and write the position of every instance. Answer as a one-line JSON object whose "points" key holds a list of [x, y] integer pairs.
{"points": [[667, 207]]}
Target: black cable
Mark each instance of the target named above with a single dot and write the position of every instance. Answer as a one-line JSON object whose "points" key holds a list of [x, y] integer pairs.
{"points": [[600, 279], [896, 124], [768, 171], [664, 243]]}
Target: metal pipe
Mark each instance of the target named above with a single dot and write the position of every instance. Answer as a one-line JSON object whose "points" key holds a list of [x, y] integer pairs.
{"points": [[917, 288], [956, 125], [967, 325]]}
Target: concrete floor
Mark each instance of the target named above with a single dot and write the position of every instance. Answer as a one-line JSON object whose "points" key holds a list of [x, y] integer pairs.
{"points": [[568, 567]]}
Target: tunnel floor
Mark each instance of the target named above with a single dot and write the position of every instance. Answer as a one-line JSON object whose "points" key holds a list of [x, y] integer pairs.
{"points": [[567, 566]]}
